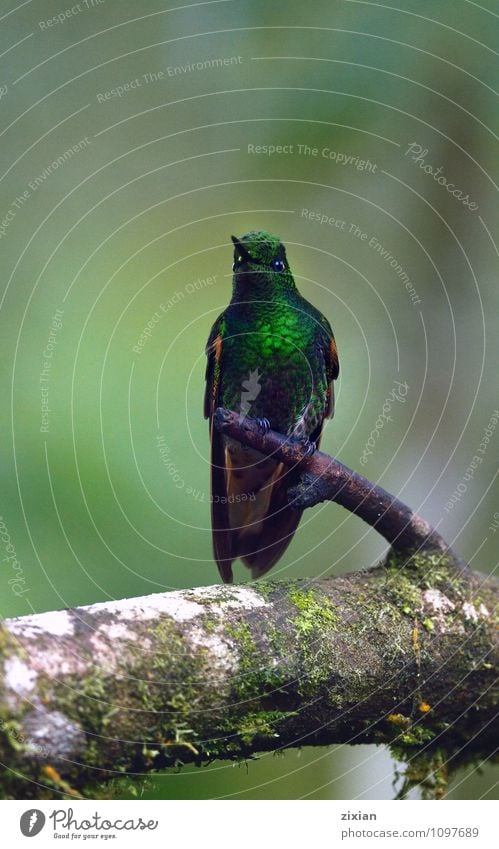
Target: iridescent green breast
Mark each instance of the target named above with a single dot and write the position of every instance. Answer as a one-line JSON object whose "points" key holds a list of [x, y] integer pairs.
{"points": [[270, 364]]}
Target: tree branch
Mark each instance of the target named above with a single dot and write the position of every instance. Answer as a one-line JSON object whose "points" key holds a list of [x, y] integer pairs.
{"points": [[323, 478], [403, 656]]}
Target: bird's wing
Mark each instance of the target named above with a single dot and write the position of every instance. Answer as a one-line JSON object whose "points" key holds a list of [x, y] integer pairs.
{"points": [[213, 367], [332, 364], [222, 538]]}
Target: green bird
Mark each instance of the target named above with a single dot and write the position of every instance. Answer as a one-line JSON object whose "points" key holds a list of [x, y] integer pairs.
{"points": [[271, 356]]}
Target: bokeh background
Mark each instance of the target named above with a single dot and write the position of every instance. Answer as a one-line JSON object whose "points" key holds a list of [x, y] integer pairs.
{"points": [[125, 165]]}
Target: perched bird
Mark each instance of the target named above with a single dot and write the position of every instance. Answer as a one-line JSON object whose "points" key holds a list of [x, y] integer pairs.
{"points": [[271, 356]]}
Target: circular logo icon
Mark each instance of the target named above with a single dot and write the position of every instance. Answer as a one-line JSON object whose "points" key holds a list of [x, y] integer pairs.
{"points": [[32, 822]]}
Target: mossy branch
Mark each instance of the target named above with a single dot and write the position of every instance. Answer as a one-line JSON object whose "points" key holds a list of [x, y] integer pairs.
{"points": [[324, 478], [402, 654]]}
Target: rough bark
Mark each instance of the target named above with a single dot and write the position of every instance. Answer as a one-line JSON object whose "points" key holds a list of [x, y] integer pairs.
{"points": [[404, 653]]}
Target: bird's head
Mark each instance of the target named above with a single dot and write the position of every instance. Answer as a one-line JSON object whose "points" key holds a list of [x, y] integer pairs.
{"points": [[260, 260]]}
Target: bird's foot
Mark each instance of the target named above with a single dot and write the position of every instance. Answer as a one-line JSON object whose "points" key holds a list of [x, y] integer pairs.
{"points": [[307, 445], [263, 424]]}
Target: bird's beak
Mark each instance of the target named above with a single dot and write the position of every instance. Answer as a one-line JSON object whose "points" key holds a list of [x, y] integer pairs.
{"points": [[239, 247]]}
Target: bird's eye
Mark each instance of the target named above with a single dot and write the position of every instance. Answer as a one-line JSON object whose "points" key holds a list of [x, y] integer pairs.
{"points": [[278, 265], [238, 260]]}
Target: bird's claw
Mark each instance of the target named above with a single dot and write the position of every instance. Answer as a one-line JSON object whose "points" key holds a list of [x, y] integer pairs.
{"points": [[263, 424], [308, 447]]}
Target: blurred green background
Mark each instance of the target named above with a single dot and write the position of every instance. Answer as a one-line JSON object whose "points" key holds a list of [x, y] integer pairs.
{"points": [[124, 170]]}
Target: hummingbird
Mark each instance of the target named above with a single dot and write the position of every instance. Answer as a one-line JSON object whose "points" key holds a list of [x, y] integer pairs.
{"points": [[271, 355]]}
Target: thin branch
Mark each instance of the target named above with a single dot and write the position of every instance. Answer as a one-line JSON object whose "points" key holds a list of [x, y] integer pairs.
{"points": [[324, 478]]}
